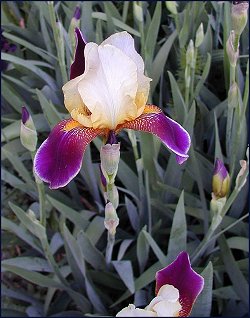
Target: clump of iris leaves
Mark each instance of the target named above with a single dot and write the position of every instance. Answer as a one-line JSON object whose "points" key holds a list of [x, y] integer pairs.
{"points": [[164, 208]]}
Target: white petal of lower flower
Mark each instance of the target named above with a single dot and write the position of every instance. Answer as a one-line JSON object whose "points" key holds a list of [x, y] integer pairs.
{"points": [[131, 311], [125, 42], [167, 308], [154, 301], [169, 292], [109, 86]]}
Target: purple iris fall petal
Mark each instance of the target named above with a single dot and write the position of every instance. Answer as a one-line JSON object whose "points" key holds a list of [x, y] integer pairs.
{"points": [[180, 274], [78, 66], [172, 134], [59, 158]]}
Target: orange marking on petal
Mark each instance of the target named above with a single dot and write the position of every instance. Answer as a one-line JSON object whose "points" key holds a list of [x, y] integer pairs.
{"points": [[151, 109], [71, 125]]}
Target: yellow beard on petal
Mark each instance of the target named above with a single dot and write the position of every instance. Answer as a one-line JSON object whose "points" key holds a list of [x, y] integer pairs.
{"points": [[82, 117], [71, 125]]}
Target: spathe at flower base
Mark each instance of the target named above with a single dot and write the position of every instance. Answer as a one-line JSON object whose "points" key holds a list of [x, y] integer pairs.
{"points": [[107, 92]]}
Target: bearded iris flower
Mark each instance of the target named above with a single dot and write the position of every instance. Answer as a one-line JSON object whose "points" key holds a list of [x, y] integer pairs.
{"points": [[107, 92], [177, 288]]}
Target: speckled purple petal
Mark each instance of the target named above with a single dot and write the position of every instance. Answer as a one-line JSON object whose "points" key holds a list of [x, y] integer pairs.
{"points": [[220, 169], [59, 158], [78, 66], [172, 134], [180, 274]]}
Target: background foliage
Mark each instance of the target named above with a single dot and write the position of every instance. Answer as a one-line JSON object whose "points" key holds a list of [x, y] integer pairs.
{"points": [[164, 208]]}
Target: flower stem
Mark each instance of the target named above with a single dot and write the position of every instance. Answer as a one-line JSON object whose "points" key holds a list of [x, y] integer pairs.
{"points": [[41, 196], [109, 248], [193, 74], [58, 37]]}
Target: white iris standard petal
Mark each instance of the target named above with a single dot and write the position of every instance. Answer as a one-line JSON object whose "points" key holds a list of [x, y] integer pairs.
{"points": [[109, 85], [125, 43]]}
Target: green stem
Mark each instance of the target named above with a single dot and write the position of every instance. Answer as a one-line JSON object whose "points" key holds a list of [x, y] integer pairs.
{"points": [[193, 74], [41, 196], [246, 91], [109, 248], [232, 74], [51, 260], [58, 41]]}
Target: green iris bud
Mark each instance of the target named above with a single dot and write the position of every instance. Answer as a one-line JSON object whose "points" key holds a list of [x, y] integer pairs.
{"points": [[239, 16], [199, 36], [28, 134], [232, 52], [221, 180], [111, 220], [172, 6]]}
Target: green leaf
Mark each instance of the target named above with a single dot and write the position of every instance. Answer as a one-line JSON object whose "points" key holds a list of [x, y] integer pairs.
{"points": [[18, 166], [29, 263], [77, 218], [27, 221], [218, 152], [160, 60], [51, 114], [142, 250], [132, 214], [152, 34], [90, 253], [202, 306], [118, 23], [31, 66], [44, 54], [20, 232], [95, 229], [125, 271], [179, 104], [158, 252], [35, 278], [178, 234], [239, 282], [203, 76]]}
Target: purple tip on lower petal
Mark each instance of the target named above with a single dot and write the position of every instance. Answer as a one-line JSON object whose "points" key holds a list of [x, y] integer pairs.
{"points": [[25, 114], [78, 66], [77, 13], [172, 134], [181, 275], [59, 158]]}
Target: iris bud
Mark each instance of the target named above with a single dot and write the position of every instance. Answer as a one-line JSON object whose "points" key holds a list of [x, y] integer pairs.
{"points": [[111, 220], [28, 134], [190, 53], [232, 52], [239, 16], [112, 195], [172, 6], [110, 156], [199, 36], [221, 180]]}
